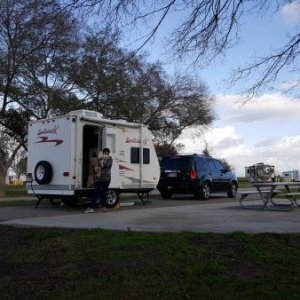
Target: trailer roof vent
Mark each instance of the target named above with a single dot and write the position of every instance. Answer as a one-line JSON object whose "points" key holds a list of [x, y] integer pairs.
{"points": [[87, 114]]}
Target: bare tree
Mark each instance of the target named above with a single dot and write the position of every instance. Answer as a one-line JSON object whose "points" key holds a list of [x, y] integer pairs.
{"points": [[47, 68], [118, 85], [269, 67], [36, 41], [226, 164], [205, 151], [206, 29], [164, 148], [33, 34], [19, 164], [8, 152]]}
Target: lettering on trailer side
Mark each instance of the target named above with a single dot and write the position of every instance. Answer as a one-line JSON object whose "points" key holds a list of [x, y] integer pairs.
{"points": [[136, 141], [44, 138]]}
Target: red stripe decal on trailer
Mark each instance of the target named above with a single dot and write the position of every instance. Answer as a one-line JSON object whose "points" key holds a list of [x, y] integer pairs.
{"points": [[124, 168], [45, 139]]}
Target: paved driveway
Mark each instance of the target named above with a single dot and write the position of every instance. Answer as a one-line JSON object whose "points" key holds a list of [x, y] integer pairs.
{"points": [[216, 215], [47, 210]]}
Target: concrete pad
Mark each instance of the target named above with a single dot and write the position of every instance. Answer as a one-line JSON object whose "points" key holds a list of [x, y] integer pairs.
{"points": [[125, 204], [209, 217], [22, 212]]}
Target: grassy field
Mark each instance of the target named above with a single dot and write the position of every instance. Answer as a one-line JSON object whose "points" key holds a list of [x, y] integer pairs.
{"points": [[15, 191], [101, 264], [98, 264], [12, 202]]}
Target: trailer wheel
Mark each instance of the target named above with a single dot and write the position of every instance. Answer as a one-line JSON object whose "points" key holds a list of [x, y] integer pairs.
{"points": [[43, 172], [112, 199]]}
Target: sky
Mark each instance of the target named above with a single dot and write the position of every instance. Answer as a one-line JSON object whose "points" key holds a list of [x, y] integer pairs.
{"points": [[266, 129]]}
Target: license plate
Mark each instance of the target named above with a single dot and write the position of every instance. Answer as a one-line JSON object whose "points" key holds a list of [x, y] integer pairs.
{"points": [[172, 175]]}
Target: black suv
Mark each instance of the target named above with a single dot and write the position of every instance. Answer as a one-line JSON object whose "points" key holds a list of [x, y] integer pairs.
{"points": [[195, 174]]}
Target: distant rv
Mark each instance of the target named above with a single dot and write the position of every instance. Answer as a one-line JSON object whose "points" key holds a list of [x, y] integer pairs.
{"points": [[260, 172], [291, 175]]}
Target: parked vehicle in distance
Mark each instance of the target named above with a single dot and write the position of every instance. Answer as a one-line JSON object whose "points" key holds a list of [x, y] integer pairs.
{"points": [[195, 174], [260, 172]]}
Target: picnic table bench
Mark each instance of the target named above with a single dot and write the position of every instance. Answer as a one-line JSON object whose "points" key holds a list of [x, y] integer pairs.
{"points": [[267, 190], [293, 197], [245, 194]]}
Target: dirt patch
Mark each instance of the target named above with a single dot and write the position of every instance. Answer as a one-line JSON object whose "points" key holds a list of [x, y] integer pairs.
{"points": [[215, 242], [243, 269]]}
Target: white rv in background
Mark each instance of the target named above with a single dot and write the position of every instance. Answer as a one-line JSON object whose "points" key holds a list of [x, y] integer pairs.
{"points": [[62, 151], [260, 172], [291, 175]]}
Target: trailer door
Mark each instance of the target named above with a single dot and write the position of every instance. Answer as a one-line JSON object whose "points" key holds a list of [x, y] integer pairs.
{"points": [[91, 145], [110, 140]]}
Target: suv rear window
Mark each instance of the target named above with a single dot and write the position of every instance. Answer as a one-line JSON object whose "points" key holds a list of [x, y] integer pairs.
{"points": [[182, 163]]}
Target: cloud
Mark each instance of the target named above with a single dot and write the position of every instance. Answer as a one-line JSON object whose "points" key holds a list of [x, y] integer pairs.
{"points": [[265, 130], [272, 107], [290, 12], [269, 142], [222, 143], [215, 138], [228, 142], [282, 153], [290, 85]]}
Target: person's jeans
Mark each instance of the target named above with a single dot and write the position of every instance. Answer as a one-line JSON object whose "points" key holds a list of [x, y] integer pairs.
{"points": [[100, 191]]}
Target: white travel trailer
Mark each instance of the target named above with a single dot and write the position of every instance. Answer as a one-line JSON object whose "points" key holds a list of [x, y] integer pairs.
{"points": [[62, 151], [293, 175]]}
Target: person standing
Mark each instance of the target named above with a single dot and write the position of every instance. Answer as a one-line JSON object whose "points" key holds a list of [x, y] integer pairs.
{"points": [[102, 180]]}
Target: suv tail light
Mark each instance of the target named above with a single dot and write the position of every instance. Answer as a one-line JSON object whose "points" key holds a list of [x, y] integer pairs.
{"points": [[193, 174]]}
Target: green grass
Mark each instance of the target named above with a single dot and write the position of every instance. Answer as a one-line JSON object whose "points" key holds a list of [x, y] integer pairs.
{"points": [[245, 185], [11, 203], [101, 264], [283, 192], [14, 187], [15, 191], [244, 182]]}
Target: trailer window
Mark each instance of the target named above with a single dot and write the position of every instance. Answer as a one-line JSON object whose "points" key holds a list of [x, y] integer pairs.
{"points": [[135, 156]]}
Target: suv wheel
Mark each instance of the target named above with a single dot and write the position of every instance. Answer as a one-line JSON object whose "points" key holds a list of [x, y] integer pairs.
{"points": [[166, 194], [233, 190], [204, 191]]}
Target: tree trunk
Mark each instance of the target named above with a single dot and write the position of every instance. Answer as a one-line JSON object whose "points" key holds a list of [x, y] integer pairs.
{"points": [[3, 172]]}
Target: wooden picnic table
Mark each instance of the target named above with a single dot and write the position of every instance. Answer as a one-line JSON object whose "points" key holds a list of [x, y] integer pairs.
{"points": [[267, 191]]}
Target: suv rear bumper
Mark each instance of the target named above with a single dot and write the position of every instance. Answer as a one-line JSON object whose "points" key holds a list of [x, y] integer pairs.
{"points": [[178, 187]]}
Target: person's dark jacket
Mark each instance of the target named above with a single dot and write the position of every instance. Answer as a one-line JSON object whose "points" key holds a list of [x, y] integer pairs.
{"points": [[105, 164]]}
